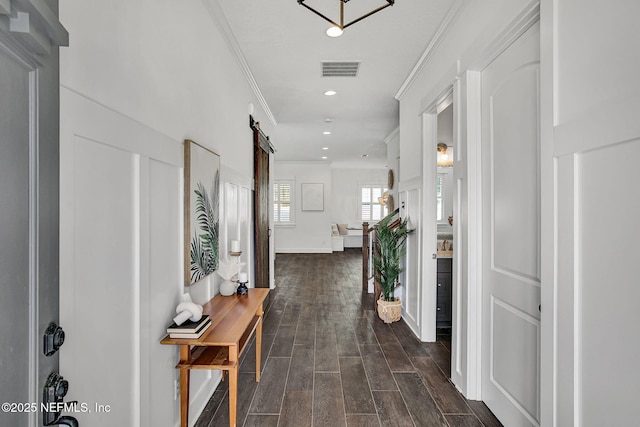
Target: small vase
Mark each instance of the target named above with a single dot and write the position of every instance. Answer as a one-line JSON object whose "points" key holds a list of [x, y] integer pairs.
{"points": [[227, 288]]}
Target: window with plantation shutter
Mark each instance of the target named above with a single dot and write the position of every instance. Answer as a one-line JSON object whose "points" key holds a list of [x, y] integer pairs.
{"points": [[370, 207], [283, 207]]}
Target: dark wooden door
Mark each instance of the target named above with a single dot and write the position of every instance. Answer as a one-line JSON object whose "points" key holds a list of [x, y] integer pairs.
{"points": [[261, 151]]}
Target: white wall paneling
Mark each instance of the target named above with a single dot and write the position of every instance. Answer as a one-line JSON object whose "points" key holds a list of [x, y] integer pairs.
{"points": [[592, 146], [235, 224], [412, 292], [121, 262], [145, 104], [121, 252]]}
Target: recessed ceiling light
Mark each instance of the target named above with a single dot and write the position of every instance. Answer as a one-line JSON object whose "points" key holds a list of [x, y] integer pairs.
{"points": [[324, 157], [326, 132], [328, 120], [364, 155], [334, 31], [330, 92], [325, 148]]}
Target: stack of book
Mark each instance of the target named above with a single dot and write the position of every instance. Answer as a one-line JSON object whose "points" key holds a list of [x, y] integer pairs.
{"points": [[189, 329]]}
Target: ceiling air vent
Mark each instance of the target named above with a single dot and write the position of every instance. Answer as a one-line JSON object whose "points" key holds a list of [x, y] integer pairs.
{"points": [[340, 68]]}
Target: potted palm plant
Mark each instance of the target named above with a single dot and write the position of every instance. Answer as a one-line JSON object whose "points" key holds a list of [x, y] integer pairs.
{"points": [[392, 239]]}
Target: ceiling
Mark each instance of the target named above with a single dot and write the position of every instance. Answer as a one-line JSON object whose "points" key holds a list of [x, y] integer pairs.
{"points": [[284, 45]]}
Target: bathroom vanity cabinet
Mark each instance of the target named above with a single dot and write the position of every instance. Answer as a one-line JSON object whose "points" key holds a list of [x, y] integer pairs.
{"points": [[444, 282]]}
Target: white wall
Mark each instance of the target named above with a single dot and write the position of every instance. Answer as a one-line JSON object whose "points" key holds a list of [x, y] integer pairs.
{"points": [[147, 68], [345, 200], [312, 230]]}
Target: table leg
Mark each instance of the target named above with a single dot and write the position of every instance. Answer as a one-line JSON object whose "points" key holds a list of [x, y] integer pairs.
{"points": [[259, 344], [185, 356], [233, 386]]}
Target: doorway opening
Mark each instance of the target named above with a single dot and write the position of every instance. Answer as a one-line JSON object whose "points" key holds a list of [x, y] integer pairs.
{"points": [[444, 222]]}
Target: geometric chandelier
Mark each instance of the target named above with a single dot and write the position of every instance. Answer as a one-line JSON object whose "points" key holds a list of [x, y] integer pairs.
{"points": [[341, 25]]}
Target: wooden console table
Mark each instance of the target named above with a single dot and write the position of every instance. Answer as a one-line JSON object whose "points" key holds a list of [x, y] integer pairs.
{"points": [[234, 319]]}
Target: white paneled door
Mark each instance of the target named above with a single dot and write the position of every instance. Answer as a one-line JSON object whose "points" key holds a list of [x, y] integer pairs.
{"points": [[511, 233]]}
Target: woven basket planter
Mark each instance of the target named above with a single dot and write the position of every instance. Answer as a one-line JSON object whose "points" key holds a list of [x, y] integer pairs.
{"points": [[389, 311]]}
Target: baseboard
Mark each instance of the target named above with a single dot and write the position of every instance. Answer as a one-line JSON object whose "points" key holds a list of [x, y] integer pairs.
{"points": [[304, 251]]}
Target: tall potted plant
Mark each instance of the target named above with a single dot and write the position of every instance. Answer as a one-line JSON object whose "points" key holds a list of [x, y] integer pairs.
{"points": [[392, 239]]}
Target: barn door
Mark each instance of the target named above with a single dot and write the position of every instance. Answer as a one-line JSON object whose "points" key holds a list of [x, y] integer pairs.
{"points": [[262, 233]]}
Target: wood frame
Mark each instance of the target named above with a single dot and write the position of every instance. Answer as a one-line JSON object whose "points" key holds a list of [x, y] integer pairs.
{"points": [[201, 211]]}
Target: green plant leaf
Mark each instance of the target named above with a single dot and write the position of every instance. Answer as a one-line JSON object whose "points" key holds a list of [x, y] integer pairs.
{"points": [[207, 210], [200, 260], [388, 253]]}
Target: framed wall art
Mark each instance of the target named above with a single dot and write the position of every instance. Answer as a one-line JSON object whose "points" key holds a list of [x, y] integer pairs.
{"points": [[313, 197], [201, 211]]}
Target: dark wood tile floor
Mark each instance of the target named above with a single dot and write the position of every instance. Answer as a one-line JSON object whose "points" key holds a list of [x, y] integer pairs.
{"points": [[329, 361]]}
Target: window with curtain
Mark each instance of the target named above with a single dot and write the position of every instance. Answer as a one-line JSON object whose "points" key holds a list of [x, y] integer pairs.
{"points": [[370, 207], [283, 207]]}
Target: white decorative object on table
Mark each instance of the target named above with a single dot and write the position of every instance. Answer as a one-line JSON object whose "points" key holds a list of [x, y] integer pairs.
{"points": [[235, 246], [228, 270], [227, 288], [187, 310]]}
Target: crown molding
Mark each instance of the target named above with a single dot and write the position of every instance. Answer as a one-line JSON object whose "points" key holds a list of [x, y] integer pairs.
{"points": [[217, 14], [392, 135], [440, 34]]}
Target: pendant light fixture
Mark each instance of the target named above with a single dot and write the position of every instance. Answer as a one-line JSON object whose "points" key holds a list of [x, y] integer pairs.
{"points": [[445, 155], [338, 27]]}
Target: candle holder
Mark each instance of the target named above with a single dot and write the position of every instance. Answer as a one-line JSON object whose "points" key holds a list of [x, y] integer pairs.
{"points": [[242, 288]]}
